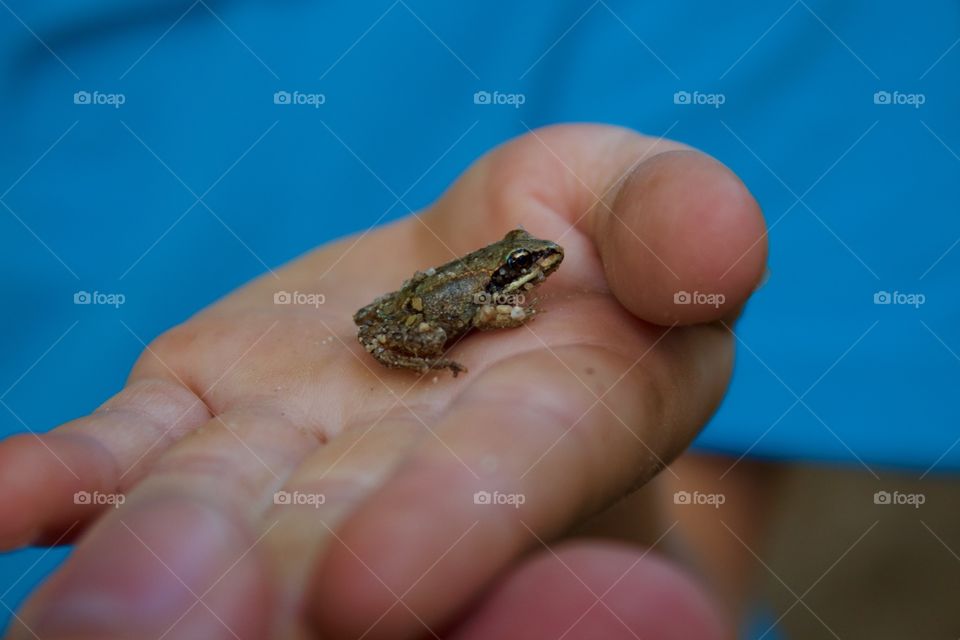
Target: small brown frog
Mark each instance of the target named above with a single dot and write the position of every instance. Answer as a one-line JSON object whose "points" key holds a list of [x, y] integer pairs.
{"points": [[412, 328]]}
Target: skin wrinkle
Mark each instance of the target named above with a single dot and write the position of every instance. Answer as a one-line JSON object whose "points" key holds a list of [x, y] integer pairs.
{"points": [[221, 407], [137, 401], [245, 527], [161, 402], [174, 341], [311, 428], [429, 414], [202, 468], [110, 476], [158, 390], [249, 496], [205, 382], [167, 436]]}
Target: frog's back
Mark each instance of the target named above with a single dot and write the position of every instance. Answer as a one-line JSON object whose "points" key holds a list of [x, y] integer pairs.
{"points": [[450, 301]]}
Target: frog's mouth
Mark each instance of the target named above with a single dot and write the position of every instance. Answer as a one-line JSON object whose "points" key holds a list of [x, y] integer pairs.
{"points": [[542, 267]]}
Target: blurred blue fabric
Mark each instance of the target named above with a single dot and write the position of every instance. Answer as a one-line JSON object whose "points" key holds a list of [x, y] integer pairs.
{"points": [[102, 197]]}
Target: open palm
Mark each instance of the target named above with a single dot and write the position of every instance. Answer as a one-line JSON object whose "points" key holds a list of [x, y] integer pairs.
{"points": [[280, 483]]}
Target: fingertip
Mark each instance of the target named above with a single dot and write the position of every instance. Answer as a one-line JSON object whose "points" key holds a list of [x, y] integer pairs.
{"points": [[362, 574], [400, 565], [165, 567], [347, 599], [683, 240], [590, 589], [18, 502], [37, 487]]}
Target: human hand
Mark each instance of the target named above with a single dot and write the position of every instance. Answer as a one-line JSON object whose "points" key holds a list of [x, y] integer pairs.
{"points": [[571, 411]]}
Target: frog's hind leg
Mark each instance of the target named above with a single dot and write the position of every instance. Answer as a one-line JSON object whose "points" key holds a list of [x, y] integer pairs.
{"points": [[423, 365], [423, 347], [448, 363]]}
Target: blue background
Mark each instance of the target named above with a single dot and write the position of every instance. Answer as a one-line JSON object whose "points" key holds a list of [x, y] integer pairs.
{"points": [[102, 198]]}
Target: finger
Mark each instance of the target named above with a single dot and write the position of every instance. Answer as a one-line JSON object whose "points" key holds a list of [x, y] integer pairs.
{"points": [[325, 489], [182, 556], [665, 219], [690, 228], [56, 482], [593, 590], [548, 440], [153, 581]]}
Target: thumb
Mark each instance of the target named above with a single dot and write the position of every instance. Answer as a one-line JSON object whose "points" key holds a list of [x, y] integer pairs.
{"points": [[679, 236]]}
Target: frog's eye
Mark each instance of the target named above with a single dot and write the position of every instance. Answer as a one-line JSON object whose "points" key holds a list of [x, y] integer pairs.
{"points": [[520, 259]]}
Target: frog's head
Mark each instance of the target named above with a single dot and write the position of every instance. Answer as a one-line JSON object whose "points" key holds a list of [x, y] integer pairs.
{"points": [[523, 259]]}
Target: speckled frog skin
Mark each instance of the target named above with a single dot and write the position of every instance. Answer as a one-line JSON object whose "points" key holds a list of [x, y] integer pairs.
{"points": [[412, 328]]}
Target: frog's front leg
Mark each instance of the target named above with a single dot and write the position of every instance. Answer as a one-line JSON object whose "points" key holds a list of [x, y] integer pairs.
{"points": [[501, 316]]}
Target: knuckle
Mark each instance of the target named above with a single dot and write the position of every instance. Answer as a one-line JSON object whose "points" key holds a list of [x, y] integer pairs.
{"points": [[165, 353], [160, 401]]}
